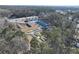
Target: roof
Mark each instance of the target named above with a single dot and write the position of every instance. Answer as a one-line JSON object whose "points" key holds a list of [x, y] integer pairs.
{"points": [[42, 24]]}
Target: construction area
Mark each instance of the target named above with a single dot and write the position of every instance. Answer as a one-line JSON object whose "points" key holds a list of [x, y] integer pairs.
{"points": [[31, 26]]}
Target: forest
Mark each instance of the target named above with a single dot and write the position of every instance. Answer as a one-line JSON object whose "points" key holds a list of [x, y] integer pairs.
{"points": [[59, 37]]}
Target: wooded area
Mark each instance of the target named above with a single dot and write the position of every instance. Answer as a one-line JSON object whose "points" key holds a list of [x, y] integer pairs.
{"points": [[59, 37]]}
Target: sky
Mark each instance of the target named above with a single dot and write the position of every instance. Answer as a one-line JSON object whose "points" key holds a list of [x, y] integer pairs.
{"points": [[41, 2]]}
